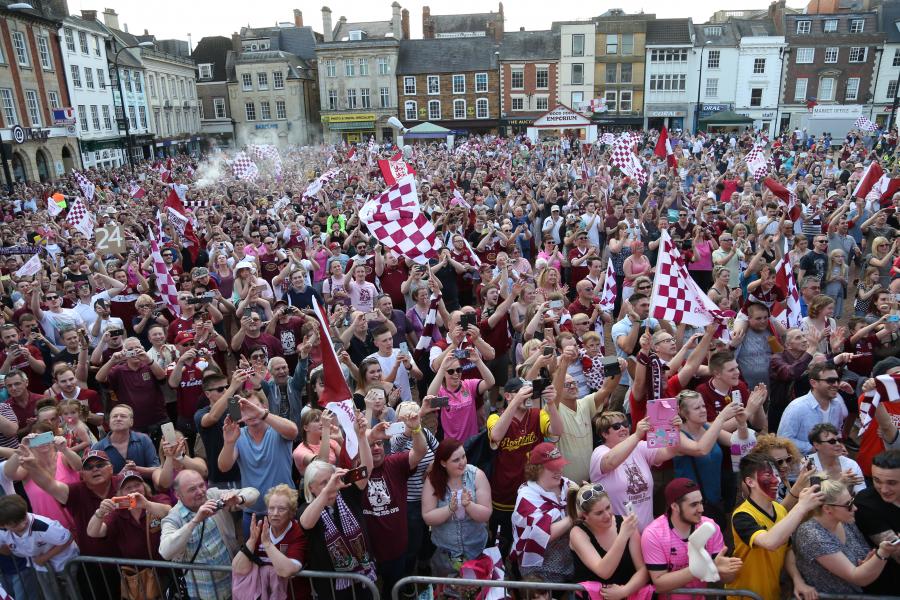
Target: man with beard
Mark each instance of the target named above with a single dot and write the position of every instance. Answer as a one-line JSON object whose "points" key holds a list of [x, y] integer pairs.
{"points": [[762, 529]]}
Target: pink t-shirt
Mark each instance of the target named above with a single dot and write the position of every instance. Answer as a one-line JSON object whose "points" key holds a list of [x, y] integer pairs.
{"points": [[362, 296], [664, 550], [459, 419], [304, 450], [46, 505], [632, 481], [703, 252]]}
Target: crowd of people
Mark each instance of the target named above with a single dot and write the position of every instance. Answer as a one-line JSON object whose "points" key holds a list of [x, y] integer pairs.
{"points": [[500, 399]]}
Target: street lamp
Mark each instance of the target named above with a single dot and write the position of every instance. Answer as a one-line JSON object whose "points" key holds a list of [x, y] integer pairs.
{"points": [[699, 83], [3, 157], [122, 99]]}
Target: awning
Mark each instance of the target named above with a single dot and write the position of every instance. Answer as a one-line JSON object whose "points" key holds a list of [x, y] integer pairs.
{"points": [[427, 130], [725, 118], [365, 126]]}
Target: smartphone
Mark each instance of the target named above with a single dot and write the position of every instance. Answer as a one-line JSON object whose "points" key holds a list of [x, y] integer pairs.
{"points": [[338, 347], [629, 508], [41, 439], [396, 428], [547, 351], [460, 353], [124, 502], [466, 319], [815, 480], [611, 366], [355, 474], [234, 409], [548, 333], [168, 433], [115, 332], [440, 402], [893, 318], [404, 347], [895, 542], [371, 316]]}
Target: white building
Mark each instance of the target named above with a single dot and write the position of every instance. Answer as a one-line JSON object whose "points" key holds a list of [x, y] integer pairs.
{"points": [[83, 50], [889, 70], [671, 74], [172, 98], [716, 45], [759, 73], [578, 42]]}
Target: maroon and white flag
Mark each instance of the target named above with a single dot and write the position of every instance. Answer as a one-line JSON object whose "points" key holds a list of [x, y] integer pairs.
{"points": [[610, 290], [789, 316], [395, 168], [81, 218], [887, 389], [164, 281], [136, 191], [397, 220], [676, 297], [87, 186], [869, 180]]}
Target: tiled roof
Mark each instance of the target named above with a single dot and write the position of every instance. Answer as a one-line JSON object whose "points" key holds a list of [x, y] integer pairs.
{"points": [[373, 29], [462, 23], [530, 45], [448, 55], [213, 49], [669, 31]]}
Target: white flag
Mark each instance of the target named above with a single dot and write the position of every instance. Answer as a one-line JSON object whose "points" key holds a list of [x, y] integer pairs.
{"points": [[53, 208], [29, 268], [676, 296], [346, 415]]}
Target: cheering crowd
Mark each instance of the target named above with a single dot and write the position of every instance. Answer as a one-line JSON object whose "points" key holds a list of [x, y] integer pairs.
{"points": [[259, 378]]}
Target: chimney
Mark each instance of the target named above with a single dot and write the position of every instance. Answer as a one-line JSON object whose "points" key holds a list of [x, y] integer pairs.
{"points": [[396, 27], [427, 24], [236, 45], [146, 33], [327, 30], [89, 15], [498, 26], [58, 8], [110, 18], [404, 23], [522, 28], [776, 13], [298, 18]]}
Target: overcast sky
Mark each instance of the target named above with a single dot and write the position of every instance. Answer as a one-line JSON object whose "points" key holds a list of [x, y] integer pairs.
{"points": [[199, 18]]}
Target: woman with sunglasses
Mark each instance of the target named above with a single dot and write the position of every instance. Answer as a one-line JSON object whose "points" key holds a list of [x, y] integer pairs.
{"points": [[605, 547], [831, 550], [459, 419], [830, 457], [792, 468]]}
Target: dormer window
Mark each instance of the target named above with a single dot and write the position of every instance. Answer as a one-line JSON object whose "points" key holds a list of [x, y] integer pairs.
{"points": [[712, 31], [357, 34]]}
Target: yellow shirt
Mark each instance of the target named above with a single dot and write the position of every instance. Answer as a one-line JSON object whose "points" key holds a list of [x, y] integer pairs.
{"points": [[762, 568]]}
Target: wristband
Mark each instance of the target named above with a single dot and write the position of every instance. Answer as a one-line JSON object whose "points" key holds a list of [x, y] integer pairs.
{"points": [[878, 556], [896, 435], [265, 416], [417, 430]]}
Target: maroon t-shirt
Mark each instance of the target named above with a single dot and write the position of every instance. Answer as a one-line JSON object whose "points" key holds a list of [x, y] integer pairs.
{"points": [[391, 280], [271, 345], [189, 390], [130, 537], [82, 504], [498, 337], [288, 335], [138, 389], [268, 266], [23, 413], [578, 273], [715, 401], [35, 382], [177, 326], [384, 506]]}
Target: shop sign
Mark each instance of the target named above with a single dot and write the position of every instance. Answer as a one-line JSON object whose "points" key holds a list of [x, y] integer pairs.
{"points": [[64, 116], [267, 125], [349, 118], [837, 110], [20, 134], [562, 116], [666, 113]]}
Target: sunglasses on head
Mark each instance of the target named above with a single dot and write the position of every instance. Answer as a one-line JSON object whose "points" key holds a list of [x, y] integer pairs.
{"points": [[587, 495]]}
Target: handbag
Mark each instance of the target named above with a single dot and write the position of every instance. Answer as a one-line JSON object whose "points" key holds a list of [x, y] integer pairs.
{"points": [[141, 584]]}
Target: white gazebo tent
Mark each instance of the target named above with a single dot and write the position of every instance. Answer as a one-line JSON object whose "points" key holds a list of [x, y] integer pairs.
{"points": [[563, 117]]}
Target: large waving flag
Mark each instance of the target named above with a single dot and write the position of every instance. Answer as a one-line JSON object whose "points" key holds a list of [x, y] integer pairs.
{"points": [[395, 168], [887, 389], [787, 196], [81, 218], [663, 148], [397, 220], [87, 186], [178, 217], [164, 281], [869, 180], [784, 278], [610, 289], [623, 156], [676, 297]]}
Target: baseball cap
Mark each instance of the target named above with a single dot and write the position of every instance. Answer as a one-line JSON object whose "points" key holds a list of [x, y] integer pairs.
{"points": [[99, 454], [679, 488], [884, 365], [129, 474], [858, 166], [199, 272], [184, 337], [513, 385], [547, 454], [555, 207], [333, 245]]}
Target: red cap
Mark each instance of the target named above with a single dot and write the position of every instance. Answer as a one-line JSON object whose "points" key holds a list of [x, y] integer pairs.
{"points": [[94, 454], [333, 245], [184, 337], [547, 454], [678, 489]]}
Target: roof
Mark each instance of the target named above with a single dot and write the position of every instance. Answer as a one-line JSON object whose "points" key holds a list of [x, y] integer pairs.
{"points": [[890, 16], [92, 25], [42, 11], [446, 55], [297, 67], [213, 49], [373, 29], [426, 129], [755, 27], [726, 117], [300, 41], [729, 35], [462, 23], [530, 45], [669, 31]]}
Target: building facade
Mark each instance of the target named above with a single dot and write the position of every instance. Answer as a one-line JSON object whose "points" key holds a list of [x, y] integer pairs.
{"points": [[619, 69], [216, 127], [468, 25], [889, 68], [32, 84], [172, 98], [576, 63], [717, 44], [759, 70], [529, 76], [671, 75], [451, 82]]}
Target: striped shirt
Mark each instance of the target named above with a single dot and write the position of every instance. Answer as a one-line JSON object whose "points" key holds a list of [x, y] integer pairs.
{"points": [[7, 412], [402, 443]]}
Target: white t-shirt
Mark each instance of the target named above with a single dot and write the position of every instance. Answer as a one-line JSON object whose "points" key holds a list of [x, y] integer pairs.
{"points": [[41, 536], [846, 463], [402, 378], [52, 322]]}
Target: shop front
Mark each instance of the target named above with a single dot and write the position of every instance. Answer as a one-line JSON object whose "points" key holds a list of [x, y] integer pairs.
{"points": [[615, 123], [563, 121], [672, 116], [107, 153], [518, 125], [763, 119], [175, 146], [39, 153], [351, 128]]}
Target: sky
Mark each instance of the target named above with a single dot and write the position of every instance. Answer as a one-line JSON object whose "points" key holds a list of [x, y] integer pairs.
{"points": [[177, 19]]}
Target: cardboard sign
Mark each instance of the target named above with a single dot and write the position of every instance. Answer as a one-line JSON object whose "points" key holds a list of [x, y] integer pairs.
{"points": [[110, 239]]}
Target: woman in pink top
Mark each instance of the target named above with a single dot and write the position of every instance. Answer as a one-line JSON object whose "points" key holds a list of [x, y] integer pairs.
{"points": [[320, 438], [701, 265], [635, 265], [459, 419], [362, 293], [551, 253]]}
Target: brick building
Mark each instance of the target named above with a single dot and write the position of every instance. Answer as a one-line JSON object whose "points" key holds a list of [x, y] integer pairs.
{"points": [[619, 68], [529, 65], [216, 125]]}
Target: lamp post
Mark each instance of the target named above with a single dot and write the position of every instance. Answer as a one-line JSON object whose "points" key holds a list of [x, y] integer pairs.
{"points": [[785, 54], [122, 99], [699, 83], [7, 174]]}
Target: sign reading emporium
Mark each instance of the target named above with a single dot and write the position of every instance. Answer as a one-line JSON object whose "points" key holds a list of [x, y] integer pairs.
{"points": [[562, 116]]}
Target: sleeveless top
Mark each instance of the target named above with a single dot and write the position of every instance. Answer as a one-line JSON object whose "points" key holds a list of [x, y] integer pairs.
{"points": [[463, 538], [624, 571]]}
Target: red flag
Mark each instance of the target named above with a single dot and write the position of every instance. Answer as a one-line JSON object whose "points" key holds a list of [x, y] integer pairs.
{"points": [[174, 202], [352, 154], [394, 169], [336, 389], [888, 190], [872, 176], [786, 195], [664, 148]]}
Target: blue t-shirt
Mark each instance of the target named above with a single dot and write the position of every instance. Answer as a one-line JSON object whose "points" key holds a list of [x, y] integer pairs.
{"points": [[709, 468], [264, 465]]}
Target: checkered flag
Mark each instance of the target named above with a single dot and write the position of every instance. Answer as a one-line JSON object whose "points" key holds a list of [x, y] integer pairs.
{"points": [[676, 296], [757, 163], [887, 389], [396, 219], [243, 167], [610, 290], [165, 285], [87, 186], [81, 218], [608, 139], [623, 156], [316, 186], [267, 152], [864, 124]]}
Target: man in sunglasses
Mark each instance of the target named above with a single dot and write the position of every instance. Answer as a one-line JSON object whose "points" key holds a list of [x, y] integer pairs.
{"points": [[209, 421], [54, 318], [805, 412]]}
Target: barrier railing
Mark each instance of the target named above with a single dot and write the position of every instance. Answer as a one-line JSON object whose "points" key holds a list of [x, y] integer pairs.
{"points": [[717, 593], [823, 596]]}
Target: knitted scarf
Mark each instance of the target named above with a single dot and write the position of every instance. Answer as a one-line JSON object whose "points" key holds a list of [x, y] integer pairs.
{"points": [[347, 545], [657, 371]]}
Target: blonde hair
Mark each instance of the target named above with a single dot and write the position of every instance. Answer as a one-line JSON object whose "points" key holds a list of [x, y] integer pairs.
{"points": [[282, 489], [845, 269], [831, 489], [602, 421], [683, 396], [577, 506], [406, 408]]}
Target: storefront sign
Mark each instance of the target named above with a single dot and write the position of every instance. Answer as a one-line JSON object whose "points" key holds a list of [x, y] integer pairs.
{"points": [[711, 108], [562, 116], [348, 118], [20, 134], [267, 125], [666, 113], [837, 110], [64, 116]]}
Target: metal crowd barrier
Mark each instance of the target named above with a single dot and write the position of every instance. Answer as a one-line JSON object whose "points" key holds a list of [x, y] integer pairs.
{"points": [[717, 593], [823, 596]]}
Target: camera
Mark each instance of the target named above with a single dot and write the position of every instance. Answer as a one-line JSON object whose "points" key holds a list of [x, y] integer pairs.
{"points": [[611, 366], [460, 353], [538, 386], [220, 504]]}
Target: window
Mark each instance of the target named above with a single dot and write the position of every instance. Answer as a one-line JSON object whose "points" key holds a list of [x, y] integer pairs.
{"points": [[669, 55], [137, 82], [107, 119], [611, 72], [82, 42], [804, 27], [172, 88], [151, 82], [481, 83], [542, 103], [826, 89], [349, 67], [459, 109], [250, 110], [541, 78], [70, 40], [262, 81], [332, 100], [713, 58], [892, 89], [8, 107], [712, 87], [246, 80], [858, 54], [219, 108], [712, 31], [21, 51], [83, 118], [95, 117], [896, 60], [34, 108], [518, 103], [330, 70], [577, 74], [668, 83], [852, 88], [518, 79], [481, 108], [578, 44], [205, 70], [363, 67], [805, 56], [433, 83], [53, 98], [756, 96], [459, 84], [384, 67], [625, 73], [96, 45], [410, 111], [76, 75], [857, 25], [611, 97], [831, 55], [278, 80], [612, 43], [132, 117], [280, 110], [265, 111], [88, 78], [759, 66], [434, 110], [126, 78], [385, 96], [351, 98], [101, 79], [356, 35], [627, 44], [800, 90], [625, 101], [830, 25], [365, 101], [409, 86], [577, 98], [44, 52]]}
